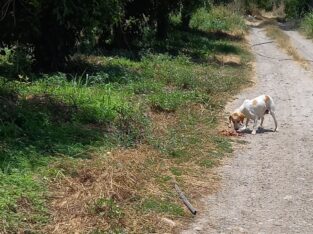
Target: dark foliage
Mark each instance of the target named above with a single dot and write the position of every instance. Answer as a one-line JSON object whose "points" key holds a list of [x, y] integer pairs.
{"points": [[53, 30]]}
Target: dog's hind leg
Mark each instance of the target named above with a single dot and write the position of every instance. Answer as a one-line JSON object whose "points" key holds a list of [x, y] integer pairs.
{"points": [[275, 121]]}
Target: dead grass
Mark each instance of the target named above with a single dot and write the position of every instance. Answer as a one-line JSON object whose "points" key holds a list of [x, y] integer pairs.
{"points": [[110, 190], [128, 177], [231, 60], [119, 176], [131, 190], [284, 42], [162, 121]]}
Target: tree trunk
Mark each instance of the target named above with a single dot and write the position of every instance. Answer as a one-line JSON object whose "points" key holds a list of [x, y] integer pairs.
{"points": [[54, 45], [162, 20], [119, 37], [185, 15]]}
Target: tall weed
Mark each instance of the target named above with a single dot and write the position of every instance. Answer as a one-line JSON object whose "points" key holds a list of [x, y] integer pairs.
{"points": [[220, 18], [307, 24]]}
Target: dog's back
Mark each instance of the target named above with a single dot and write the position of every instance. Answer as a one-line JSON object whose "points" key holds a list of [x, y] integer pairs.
{"points": [[260, 105]]}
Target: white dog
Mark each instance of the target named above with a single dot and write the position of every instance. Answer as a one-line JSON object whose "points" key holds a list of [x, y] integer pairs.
{"points": [[254, 109]]}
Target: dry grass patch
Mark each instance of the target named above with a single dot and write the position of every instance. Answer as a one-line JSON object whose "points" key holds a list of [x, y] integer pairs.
{"points": [[284, 42], [232, 60], [102, 192], [133, 189], [157, 114], [161, 122]]}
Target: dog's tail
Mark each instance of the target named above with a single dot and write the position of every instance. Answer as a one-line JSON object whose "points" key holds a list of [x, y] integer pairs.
{"points": [[270, 105]]}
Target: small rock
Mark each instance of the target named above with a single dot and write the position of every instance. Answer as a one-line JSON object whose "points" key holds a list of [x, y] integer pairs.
{"points": [[288, 197], [198, 228], [239, 229], [169, 222]]}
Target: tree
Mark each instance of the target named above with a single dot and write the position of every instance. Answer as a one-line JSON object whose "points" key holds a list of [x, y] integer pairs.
{"points": [[297, 8], [188, 8], [53, 27]]}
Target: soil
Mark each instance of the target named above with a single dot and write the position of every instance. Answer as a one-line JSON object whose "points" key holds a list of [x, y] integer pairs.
{"points": [[267, 186]]}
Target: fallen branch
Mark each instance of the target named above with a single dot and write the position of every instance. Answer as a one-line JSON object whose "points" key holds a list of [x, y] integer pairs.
{"points": [[262, 43], [185, 200]]}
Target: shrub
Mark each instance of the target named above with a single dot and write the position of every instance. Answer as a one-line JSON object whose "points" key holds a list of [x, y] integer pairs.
{"points": [[307, 24], [218, 19], [297, 8], [16, 61]]}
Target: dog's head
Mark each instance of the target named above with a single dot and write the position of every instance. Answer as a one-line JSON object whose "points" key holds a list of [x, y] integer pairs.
{"points": [[237, 119]]}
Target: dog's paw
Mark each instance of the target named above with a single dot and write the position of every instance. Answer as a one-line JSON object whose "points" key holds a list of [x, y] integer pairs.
{"points": [[253, 132]]}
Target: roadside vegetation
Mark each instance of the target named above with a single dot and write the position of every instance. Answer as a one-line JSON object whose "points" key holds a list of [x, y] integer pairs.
{"points": [[301, 13], [286, 15], [283, 41], [96, 146], [307, 25]]}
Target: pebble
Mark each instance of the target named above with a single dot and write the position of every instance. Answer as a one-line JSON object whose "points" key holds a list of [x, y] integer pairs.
{"points": [[288, 197], [169, 222]]}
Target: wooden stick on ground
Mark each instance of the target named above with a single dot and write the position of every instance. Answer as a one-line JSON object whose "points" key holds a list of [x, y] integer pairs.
{"points": [[185, 200]]}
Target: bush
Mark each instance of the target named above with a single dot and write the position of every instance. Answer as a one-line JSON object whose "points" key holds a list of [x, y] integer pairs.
{"points": [[168, 101], [218, 19], [171, 71], [307, 24], [297, 8], [15, 61]]}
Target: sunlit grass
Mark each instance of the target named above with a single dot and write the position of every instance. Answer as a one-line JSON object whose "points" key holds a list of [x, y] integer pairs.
{"points": [[57, 131]]}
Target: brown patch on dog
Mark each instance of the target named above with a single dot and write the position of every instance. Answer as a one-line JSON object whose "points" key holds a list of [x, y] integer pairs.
{"points": [[241, 117], [267, 99], [236, 118], [254, 102], [230, 120]]}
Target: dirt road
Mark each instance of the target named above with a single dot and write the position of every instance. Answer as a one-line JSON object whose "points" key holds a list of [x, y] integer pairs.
{"points": [[267, 186]]}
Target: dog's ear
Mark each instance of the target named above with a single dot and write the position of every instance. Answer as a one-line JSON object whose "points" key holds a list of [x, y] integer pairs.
{"points": [[230, 118], [241, 117]]}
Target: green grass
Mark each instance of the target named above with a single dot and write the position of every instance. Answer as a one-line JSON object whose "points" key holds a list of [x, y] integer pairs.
{"points": [[223, 144], [176, 171], [307, 25], [106, 208], [162, 206], [46, 119], [208, 163], [220, 19], [65, 118], [22, 201]]}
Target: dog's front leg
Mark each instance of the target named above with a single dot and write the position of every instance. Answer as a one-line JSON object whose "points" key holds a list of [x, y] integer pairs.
{"points": [[255, 124], [262, 120], [247, 122], [245, 126]]}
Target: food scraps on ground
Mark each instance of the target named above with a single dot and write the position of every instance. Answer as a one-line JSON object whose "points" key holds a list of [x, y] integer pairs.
{"points": [[226, 132]]}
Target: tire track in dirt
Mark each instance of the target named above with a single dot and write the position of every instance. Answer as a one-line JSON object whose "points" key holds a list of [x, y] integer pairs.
{"points": [[303, 45], [267, 186]]}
